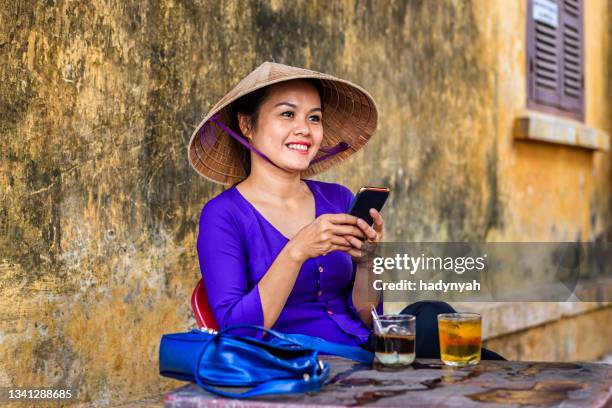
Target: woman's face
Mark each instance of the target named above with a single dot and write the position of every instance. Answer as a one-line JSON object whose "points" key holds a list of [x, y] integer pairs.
{"points": [[289, 128]]}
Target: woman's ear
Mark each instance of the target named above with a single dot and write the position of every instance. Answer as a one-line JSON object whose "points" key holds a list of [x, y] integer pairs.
{"points": [[244, 121]]}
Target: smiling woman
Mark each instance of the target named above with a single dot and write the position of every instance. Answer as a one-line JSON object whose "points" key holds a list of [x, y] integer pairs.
{"points": [[277, 249]]}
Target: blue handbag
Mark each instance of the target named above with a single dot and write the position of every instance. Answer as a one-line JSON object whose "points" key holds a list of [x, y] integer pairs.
{"points": [[286, 364]]}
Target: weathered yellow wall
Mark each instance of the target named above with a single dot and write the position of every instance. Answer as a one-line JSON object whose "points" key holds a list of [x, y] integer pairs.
{"points": [[566, 339], [98, 205], [552, 192]]}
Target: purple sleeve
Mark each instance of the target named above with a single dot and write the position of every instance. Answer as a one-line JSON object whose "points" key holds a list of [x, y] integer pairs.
{"points": [[223, 263], [348, 197]]}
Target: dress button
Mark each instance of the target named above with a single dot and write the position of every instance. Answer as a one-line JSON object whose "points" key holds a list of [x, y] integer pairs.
{"points": [[329, 312], [320, 269], [320, 293]]}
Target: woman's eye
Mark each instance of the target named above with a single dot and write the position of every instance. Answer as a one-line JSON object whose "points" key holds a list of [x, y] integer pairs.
{"points": [[287, 114], [315, 118]]}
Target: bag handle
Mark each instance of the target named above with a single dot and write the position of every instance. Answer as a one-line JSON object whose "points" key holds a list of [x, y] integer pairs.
{"points": [[353, 353], [282, 386], [315, 343]]}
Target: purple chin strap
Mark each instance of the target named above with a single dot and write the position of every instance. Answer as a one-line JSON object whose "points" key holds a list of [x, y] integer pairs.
{"points": [[328, 151]]}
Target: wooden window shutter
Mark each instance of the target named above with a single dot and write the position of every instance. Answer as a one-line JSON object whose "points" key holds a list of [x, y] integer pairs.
{"points": [[572, 70], [555, 56], [543, 52]]}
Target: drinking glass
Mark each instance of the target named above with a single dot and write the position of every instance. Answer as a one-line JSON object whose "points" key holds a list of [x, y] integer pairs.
{"points": [[460, 338], [395, 339]]}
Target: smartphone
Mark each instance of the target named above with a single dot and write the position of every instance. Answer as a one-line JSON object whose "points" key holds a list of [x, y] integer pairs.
{"points": [[366, 198]]}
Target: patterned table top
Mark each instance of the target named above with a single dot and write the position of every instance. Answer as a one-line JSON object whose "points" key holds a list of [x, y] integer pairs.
{"points": [[428, 383]]}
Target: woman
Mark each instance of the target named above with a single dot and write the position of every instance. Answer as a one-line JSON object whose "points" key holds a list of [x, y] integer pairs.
{"points": [[276, 249]]}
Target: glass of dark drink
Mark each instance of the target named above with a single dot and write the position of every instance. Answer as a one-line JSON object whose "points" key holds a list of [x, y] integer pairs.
{"points": [[395, 339]]}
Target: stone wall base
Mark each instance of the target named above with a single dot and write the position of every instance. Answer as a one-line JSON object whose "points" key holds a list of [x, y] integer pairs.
{"points": [[584, 337]]}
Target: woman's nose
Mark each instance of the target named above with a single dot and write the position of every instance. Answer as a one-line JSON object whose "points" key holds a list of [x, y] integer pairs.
{"points": [[302, 127]]}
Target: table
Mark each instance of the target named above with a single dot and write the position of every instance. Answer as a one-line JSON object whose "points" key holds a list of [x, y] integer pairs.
{"points": [[428, 383]]}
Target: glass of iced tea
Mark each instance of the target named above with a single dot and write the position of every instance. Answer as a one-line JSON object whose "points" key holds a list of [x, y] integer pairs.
{"points": [[460, 338], [395, 339]]}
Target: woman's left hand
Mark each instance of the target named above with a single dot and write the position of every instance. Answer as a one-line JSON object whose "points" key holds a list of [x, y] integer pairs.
{"points": [[373, 235]]}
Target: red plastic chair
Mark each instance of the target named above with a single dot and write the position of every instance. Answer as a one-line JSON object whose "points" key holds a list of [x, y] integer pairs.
{"points": [[201, 308]]}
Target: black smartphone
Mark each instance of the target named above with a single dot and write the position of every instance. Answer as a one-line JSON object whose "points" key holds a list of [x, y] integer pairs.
{"points": [[366, 198]]}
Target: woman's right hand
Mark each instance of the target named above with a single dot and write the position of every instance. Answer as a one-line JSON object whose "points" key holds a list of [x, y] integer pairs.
{"points": [[324, 235]]}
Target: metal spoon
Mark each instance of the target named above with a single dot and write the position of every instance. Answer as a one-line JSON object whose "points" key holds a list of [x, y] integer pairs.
{"points": [[375, 319]]}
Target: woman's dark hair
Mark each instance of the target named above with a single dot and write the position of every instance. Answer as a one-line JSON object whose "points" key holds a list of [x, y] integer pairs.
{"points": [[249, 105]]}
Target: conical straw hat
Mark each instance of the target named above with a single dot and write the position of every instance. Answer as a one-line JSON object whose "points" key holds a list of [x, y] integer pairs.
{"points": [[350, 118]]}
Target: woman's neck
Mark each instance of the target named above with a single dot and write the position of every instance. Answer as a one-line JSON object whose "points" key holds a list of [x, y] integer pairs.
{"points": [[272, 183]]}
